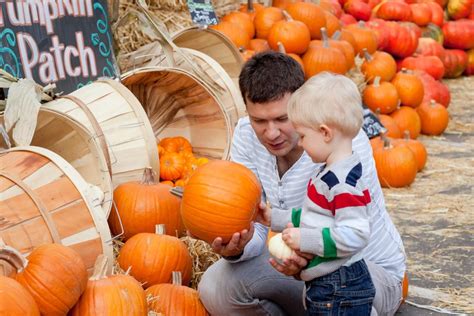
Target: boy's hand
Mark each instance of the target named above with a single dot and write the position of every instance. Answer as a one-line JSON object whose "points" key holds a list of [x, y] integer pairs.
{"points": [[292, 237], [264, 214], [236, 244], [292, 266]]}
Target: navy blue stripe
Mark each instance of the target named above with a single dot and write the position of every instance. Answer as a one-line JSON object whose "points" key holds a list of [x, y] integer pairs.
{"points": [[354, 175], [330, 179]]}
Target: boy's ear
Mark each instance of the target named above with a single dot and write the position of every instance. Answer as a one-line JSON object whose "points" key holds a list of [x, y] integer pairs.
{"points": [[327, 132]]}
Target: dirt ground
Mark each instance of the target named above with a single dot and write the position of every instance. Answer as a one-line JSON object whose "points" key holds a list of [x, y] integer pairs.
{"points": [[435, 216]]}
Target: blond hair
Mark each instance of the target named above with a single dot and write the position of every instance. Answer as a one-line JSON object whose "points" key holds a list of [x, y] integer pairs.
{"points": [[330, 99]]}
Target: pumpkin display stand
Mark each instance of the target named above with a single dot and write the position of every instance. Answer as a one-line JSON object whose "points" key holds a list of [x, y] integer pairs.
{"points": [[116, 120], [45, 200], [73, 142]]}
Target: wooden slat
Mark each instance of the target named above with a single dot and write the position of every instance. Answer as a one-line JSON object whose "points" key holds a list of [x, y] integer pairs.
{"points": [[72, 219], [89, 251], [22, 163]]}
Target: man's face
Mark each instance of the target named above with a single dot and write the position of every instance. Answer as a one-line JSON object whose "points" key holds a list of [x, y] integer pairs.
{"points": [[272, 126]]}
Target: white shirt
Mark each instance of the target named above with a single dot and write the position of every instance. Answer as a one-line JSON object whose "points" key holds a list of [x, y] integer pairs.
{"points": [[385, 246]]}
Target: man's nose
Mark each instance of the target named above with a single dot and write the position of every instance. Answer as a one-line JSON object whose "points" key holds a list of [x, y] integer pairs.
{"points": [[273, 131]]}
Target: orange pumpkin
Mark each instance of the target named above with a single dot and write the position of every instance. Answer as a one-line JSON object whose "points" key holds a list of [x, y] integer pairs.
{"points": [[390, 125], [417, 147], [180, 183], [297, 58], [168, 182], [143, 204], [343, 46], [221, 198], [410, 88], [283, 4], [152, 257], [347, 36], [396, 165], [332, 23], [259, 45], [176, 144], [15, 299], [265, 19], [324, 58], [175, 299], [381, 95], [54, 275], [310, 14], [111, 295], [407, 120], [251, 8], [234, 32], [434, 118], [379, 64], [294, 35], [172, 166], [364, 37], [243, 20]]}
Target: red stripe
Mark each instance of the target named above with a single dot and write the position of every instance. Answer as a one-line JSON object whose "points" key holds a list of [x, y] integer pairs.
{"points": [[340, 201]]}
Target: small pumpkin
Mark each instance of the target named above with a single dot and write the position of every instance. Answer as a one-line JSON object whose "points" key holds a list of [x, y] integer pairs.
{"points": [[242, 19], [359, 9], [381, 95], [53, 274], [430, 64], [434, 118], [455, 62], [310, 14], [379, 64], [394, 11], [220, 199], [16, 300], [176, 144], [175, 299], [469, 71], [172, 166], [410, 88], [459, 9], [332, 23], [343, 46], [396, 165], [152, 257], [417, 147], [407, 119], [259, 45], [294, 35], [392, 129], [236, 33], [429, 47], [251, 8], [296, 57], [364, 37], [113, 295], [420, 14], [278, 248], [265, 19], [142, 205], [459, 34]]}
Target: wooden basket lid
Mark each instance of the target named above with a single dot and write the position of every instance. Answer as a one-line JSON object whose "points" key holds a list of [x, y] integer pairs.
{"points": [[178, 103]]}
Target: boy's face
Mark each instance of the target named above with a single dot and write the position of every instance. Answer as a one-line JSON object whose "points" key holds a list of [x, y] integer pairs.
{"points": [[272, 126], [314, 142]]}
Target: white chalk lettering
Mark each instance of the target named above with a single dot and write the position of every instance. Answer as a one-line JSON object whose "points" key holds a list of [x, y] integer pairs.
{"points": [[85, 53], [47, 71], [56, 49], [67, 61], [25, 40]]}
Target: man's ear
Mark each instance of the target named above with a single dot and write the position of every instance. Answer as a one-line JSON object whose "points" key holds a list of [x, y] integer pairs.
{"points": [[327, 132]]}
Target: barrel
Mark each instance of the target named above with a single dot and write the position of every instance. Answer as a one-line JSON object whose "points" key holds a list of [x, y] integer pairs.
{"points": [[43, 199], [72, 141], [116, 119], [179, 103]]}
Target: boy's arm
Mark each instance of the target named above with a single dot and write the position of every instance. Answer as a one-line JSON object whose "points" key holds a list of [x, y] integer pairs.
{"points": [[280, 218], [350, 231]]}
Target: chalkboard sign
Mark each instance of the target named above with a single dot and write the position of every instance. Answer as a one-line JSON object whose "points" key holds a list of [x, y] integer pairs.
{"points": [[372, 125], [64, 42], [202, 12]]}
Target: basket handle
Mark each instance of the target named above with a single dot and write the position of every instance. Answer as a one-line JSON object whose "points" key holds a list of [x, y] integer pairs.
{"points": [[161, 32]]}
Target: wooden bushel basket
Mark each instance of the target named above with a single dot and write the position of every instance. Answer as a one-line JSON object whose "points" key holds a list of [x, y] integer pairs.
{"points": [[180, 104], [73, 142], [215, 45], [116, 120], [43, 199]]}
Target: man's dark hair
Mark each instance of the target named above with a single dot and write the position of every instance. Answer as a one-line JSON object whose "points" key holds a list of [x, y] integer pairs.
{"points": [[268, 76]]}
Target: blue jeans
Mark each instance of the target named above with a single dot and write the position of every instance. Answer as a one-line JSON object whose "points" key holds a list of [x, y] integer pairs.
{"points": [[346, 291]]}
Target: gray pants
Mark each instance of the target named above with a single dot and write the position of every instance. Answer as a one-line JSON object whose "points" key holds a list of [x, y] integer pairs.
{"points": [[254, 288]]}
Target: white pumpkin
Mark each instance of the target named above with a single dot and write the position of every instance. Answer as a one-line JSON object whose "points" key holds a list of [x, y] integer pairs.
{"points": [[278, 248]]}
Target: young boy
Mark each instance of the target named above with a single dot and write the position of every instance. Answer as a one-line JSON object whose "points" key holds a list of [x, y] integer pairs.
{"points": [[334, 221]]}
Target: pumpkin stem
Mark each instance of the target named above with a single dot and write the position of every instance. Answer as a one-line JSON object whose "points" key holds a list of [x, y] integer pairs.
{"points": [[250, 6], [337, 35], [13, 257], [148, 176], [377, 112], [325, 37], [176, 277], [377, 81], [386, 143], [160, 229], [367, 56], [361, 24], [287, 16], [281, 48], [432, 103], [100, 268], [406, 134]]}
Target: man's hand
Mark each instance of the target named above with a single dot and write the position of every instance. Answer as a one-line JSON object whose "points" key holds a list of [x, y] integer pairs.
{"points": [[236, 244], [264, 214], [293, 265]]}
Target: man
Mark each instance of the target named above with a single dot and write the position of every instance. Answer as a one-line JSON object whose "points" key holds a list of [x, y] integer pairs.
{"points": [[244, 282]]}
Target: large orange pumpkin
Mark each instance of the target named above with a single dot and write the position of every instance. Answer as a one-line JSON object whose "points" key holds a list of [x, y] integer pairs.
{"points": [[434, 118], [242, 19], [265, 19], [410, 88], [345, 47], [236, 33], [294, 35], [53, 274], [220, 199], [251, 8], [175, 299], [390, 125], [364, 37], [15, 299], [381, 95], [113, 295], [379, 64], [417, 147], [396, 165], [310, 14], [152, 258], [407, 119], [142, 205]]}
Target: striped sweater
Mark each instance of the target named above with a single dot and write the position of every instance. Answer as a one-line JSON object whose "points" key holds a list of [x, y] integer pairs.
{"points": [[385, 246], [334, 220]]}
